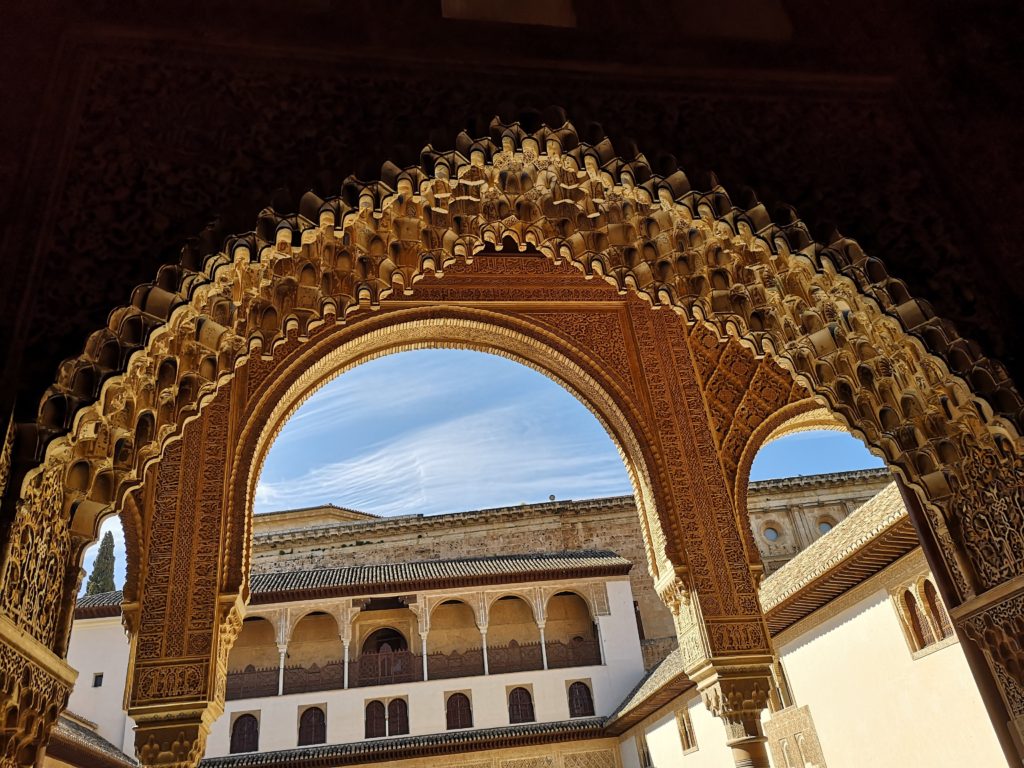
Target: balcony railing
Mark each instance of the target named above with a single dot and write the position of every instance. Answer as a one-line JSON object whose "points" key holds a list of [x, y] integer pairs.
{"points": [[405, 667]]}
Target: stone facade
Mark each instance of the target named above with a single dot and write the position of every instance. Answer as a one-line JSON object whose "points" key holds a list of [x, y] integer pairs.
{"points": [[303, 539]]}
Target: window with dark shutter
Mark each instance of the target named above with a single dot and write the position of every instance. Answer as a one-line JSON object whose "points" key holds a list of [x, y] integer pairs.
{"points": [[376, 720], [520, 706], [312, 727], [245, 734], [398, 717], [459, 711], [938, 611], [581, 702]]}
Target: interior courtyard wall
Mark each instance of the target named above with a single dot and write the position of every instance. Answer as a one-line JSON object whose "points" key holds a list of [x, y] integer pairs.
{"points": [[511, 620], [100, 647], [663, 741], [898, 707], [367, 622], [304, 539], [601, 524]]}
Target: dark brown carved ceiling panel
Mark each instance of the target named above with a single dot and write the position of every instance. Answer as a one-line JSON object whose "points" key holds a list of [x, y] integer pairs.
{"points": [[143, 138]]}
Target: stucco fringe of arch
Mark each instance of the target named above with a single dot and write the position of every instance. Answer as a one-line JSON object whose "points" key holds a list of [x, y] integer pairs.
{"points": [[945, 417]]}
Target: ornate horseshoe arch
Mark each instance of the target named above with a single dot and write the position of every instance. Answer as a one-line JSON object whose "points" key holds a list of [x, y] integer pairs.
{"points": [[699, 281]]}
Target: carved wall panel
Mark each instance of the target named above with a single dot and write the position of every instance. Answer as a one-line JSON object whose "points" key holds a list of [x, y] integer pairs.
{"points": [[946, 418]]}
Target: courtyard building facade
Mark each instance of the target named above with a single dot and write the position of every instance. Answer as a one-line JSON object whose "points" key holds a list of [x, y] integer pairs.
{"points": [[519, 638]]}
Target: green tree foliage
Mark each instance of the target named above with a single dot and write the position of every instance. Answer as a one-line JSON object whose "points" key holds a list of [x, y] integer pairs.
{"points": [[102, 577]]}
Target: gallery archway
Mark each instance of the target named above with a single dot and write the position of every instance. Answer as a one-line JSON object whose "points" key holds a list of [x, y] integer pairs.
{"points": [[709, 320]]}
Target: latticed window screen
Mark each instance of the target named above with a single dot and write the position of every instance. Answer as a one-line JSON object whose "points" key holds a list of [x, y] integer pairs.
{"points": [[520, 706], [312, 727], [459, 712], [376, 720], [919, 626], [245, 734], [398, 717], [938, 610], [685, 730], [581, 702]]}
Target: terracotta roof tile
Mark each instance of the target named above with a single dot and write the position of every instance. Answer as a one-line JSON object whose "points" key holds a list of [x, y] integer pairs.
{"points": [[409, 746], [391, 577], [70, 736]]}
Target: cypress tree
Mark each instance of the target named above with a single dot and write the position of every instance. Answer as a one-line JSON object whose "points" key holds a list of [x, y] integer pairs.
{"points": [[102, 577]]}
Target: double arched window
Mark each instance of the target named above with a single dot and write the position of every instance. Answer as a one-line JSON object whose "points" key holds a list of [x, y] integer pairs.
{"points": [[581, 701], [245, 734], [390, 720], [924, 615], [520, 706], [312, 727], [459, 712]]}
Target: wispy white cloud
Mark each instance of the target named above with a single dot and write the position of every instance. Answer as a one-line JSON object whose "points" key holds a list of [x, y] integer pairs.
{"points": [[504, 454]]}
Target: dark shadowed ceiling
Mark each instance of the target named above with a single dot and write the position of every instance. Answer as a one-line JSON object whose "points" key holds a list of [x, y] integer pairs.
{"points": [[129, 126]]}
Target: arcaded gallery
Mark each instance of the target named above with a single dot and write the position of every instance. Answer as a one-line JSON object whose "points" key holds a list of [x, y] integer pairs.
{"points": [[565, 384]]}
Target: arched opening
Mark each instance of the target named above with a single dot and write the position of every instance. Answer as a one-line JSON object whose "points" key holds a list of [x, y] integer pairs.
{"points": [[398, 717], [455, 642], [312, 727], [804, 478], [520, 706], [245, 734], [570, 632], [458, 712], [868, 334], [385, 656], [470, 414], [254, 660], [513, 637], [581, 700], [375, 720], [314, 659]]}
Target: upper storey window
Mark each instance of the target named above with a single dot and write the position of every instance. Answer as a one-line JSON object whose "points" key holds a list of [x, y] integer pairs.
{"points": [[923, 615]]}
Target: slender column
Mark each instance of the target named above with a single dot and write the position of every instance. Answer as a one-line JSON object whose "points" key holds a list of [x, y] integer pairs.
{"points": [[543, 645], [282, 650], [423, 645], [345, 643], [483, 646]]}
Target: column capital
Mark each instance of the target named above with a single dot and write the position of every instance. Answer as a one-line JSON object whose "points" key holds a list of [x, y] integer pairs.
{"points": [[178, 742], [737, 695]]}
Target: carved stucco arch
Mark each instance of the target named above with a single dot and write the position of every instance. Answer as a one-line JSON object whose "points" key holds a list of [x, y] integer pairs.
{"points": [[946, 418], [468, 329]]}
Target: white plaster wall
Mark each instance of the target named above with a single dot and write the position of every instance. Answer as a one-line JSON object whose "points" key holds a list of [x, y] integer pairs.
{"points": [[666, 746], [609, 684], [100, 645], [873, 704], [279, 715]]}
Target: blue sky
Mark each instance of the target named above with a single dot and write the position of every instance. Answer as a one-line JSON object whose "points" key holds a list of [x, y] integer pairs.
{"points": [[445, 430]]}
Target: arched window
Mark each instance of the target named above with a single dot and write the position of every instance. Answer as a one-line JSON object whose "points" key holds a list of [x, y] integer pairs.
{"points": [[398, 717], [245, 734], [938, 610], [520, 706], [312, 727], [376, 720], [919, 626], [581, 702], [460, 713]]}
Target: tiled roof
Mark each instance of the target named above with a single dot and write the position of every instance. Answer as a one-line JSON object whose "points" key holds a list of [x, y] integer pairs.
{"points": [[872, 537], [73, 740], [393, 577], [414, 746], [663, 683]]}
